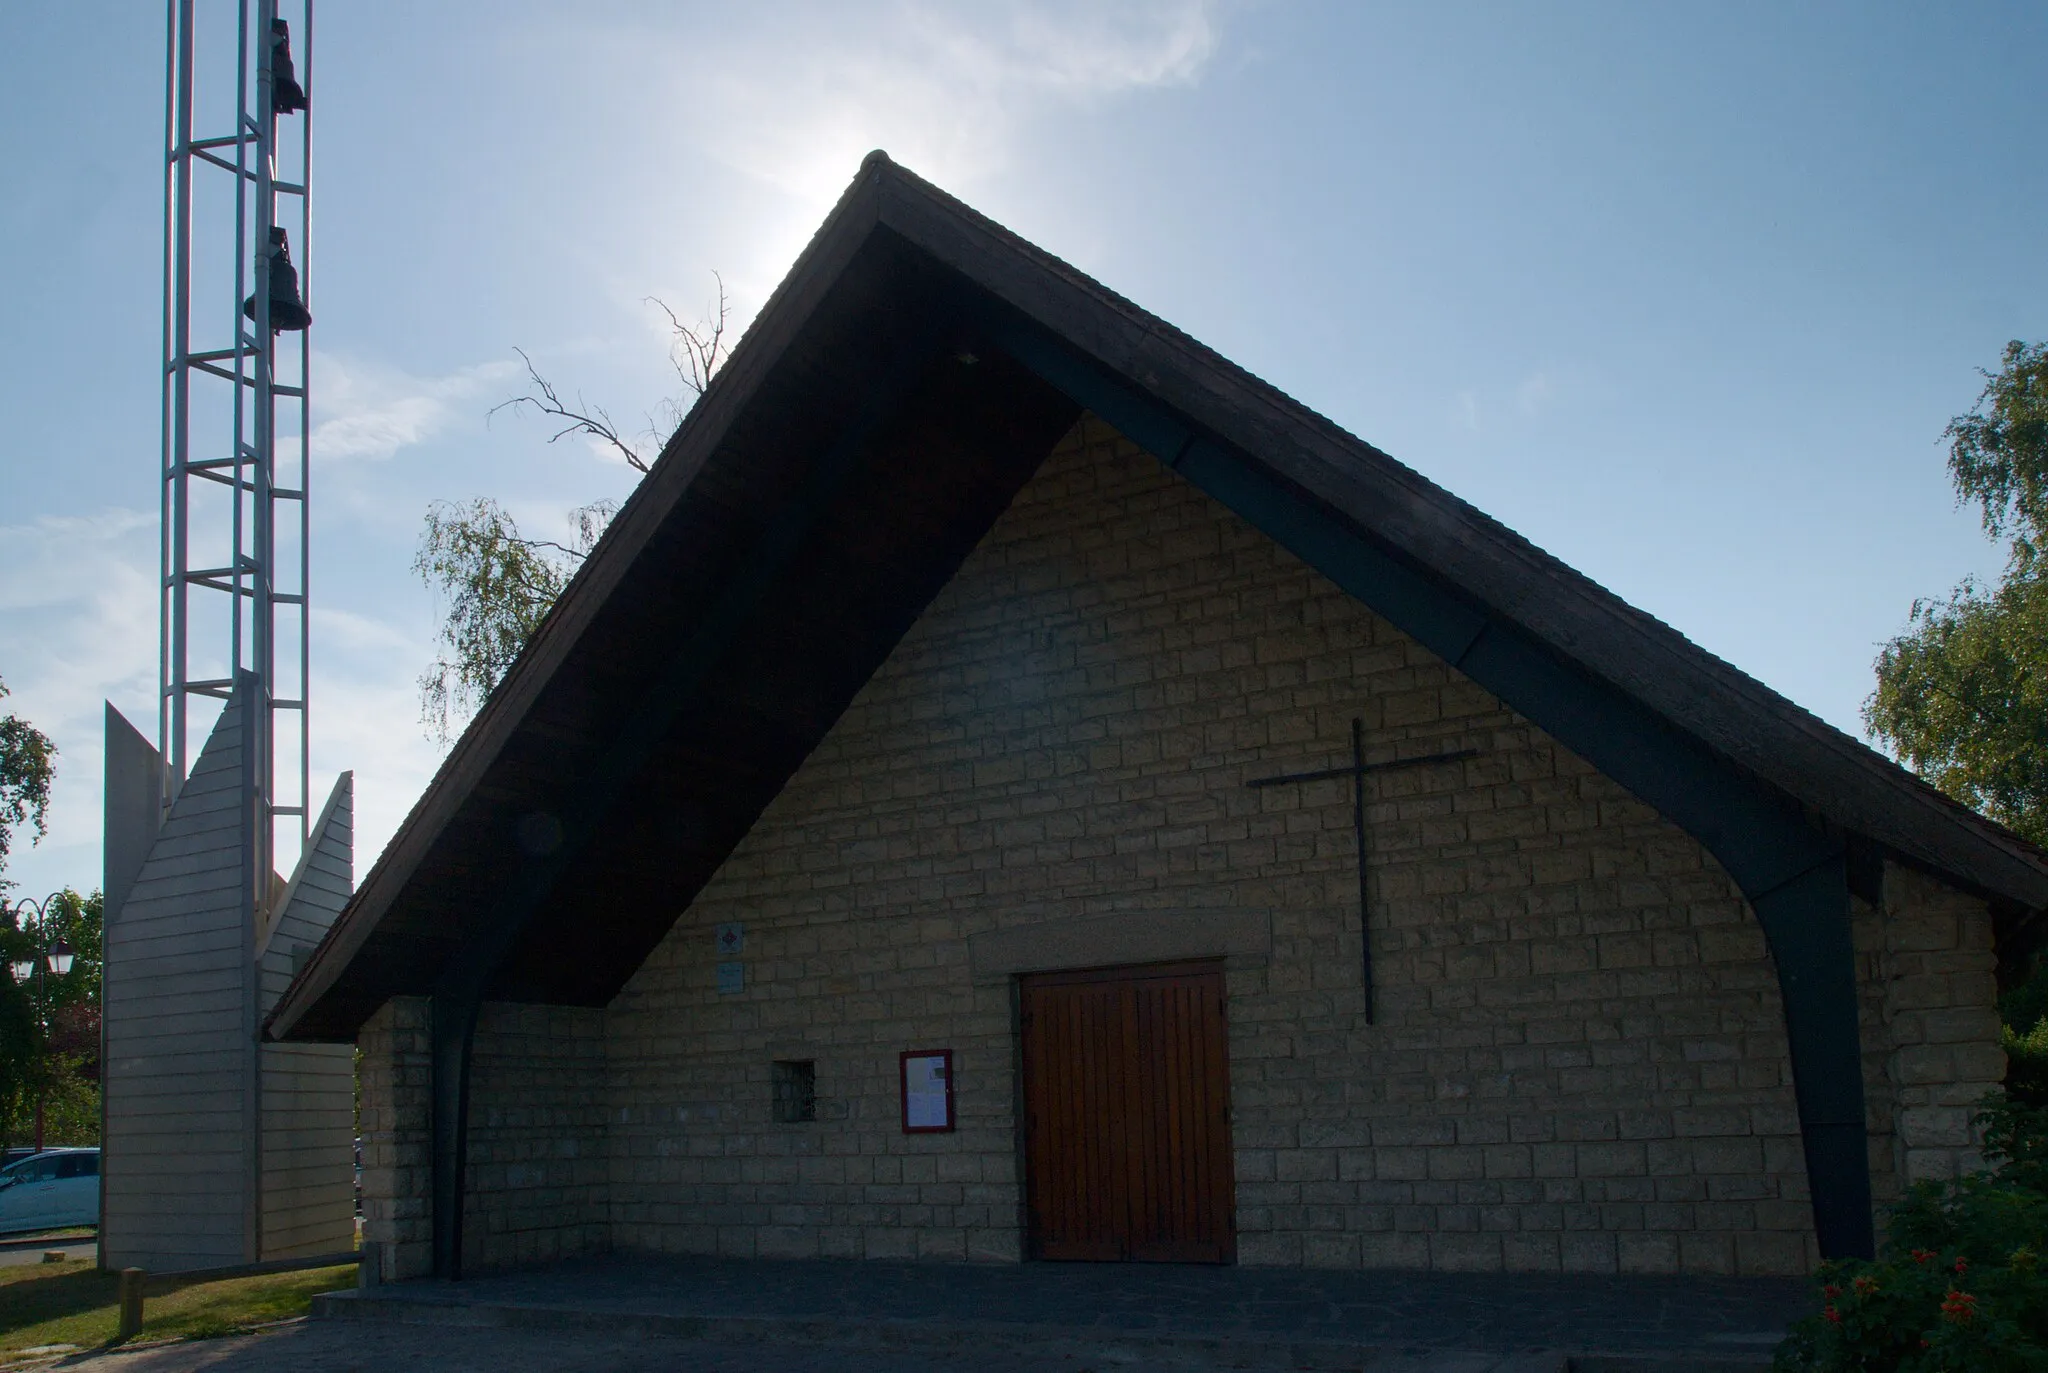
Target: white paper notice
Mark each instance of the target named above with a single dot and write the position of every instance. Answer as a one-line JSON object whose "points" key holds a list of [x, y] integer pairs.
{"points": [[924, 1092]]}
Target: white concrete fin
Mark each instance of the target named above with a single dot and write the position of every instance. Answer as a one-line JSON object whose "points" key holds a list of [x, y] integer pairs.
{"points": [[308, 1089], [178, 1187], [318, 890], [134, 808]]}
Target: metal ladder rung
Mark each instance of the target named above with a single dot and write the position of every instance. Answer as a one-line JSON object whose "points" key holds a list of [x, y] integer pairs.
{"points": [[217, 160], [223, 373]]}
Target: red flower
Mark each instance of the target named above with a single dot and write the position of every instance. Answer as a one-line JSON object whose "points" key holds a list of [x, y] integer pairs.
{"points": [[1831, 1291], [1865, 1284], [1962, 1264], [1960, 1307], [1832, 1314], [1922, 1255]]}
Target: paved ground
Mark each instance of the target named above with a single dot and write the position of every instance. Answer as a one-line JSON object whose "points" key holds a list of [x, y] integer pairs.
{"points": [[723, 1316], [1499, 1313], [333, 1347]]}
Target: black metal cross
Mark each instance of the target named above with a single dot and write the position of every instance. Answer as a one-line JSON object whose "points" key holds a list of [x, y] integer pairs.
{"points": [[1356, 772]]}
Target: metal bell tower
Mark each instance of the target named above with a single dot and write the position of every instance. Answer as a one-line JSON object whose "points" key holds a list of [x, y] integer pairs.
{"points": [[220, 1147], [237, 281]]}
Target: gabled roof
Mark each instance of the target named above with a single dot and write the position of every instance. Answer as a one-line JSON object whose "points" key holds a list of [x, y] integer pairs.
{"points": [[900, 386]]}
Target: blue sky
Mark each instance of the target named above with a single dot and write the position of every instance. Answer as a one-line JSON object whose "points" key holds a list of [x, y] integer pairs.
{"points": [[1685, 294]]}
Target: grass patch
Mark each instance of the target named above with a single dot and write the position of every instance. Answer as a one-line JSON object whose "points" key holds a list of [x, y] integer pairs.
{"points": [[74, 1303]]}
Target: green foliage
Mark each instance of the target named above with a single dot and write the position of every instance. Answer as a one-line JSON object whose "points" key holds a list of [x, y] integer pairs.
{"points": [[26, 770], [20, 1061], [1998, 453], [2023, 1035], [50, 1025], [1960, 1284], [1962, 694], [1962, 697], [2026, 1005], [70, 1090], [498, 586], [2026, 1058], [79, 921]]}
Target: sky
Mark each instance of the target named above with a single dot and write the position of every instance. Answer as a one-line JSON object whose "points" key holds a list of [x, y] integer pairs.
{"points": [[1684, 294]]}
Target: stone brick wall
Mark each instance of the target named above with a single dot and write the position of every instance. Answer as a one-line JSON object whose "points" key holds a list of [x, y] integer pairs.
{"points": [[395, 1076], [1579, 1062], [538, 1173], [536, 1187], [1930, 1028]]}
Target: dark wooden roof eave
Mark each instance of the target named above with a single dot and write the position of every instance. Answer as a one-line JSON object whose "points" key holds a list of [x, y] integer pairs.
{"points": [[1735, 716], [834, 244], [1758, 729]]}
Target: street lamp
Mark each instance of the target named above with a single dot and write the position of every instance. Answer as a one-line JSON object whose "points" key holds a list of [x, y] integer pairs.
{"points": [[57, 958]]}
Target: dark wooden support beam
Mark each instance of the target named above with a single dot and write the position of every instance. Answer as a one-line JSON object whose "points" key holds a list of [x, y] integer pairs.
{"points": [[451, 1034], [1806, 922], [1793, 875], [459, 993]]}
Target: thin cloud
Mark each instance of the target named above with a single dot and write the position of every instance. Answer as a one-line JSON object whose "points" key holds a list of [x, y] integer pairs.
{"points": [[78, 624], [369, 411], [790, 102], [947, 89], [365, 709], [1534, 393]]}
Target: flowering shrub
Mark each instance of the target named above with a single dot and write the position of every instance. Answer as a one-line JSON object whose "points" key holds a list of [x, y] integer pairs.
{"points": [[1961, 1284]]}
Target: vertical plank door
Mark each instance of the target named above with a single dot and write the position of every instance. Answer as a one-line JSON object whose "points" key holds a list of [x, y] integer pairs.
{"points": [[1127, 1115]]}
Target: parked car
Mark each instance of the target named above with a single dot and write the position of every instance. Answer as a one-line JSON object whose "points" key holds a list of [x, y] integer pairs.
{"points": [[56, 1188]]}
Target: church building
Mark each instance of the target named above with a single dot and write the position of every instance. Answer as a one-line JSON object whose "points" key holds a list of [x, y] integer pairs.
{"points": [[1012, 786]]}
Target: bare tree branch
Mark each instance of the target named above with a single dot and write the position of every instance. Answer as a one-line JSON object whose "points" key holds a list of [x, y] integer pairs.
{"points": [[597, 423], [696, 350], [497, 584]]}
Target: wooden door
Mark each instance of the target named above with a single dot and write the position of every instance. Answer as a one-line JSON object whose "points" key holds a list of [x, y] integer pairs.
{"points": [[1127, 1115]]}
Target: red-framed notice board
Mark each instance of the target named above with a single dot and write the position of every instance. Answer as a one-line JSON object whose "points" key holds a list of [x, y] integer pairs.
{"points": [[927, 1081]]}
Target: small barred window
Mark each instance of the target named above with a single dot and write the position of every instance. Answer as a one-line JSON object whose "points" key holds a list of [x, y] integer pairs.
{"points": [[796, 1091]]}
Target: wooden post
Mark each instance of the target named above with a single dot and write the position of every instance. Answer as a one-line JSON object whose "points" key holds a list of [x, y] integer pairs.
{"points": [[131, 1303]]}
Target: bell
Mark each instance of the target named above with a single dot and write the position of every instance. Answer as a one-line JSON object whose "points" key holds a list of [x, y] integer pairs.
{"points": [[287, 311], [287, 96]]}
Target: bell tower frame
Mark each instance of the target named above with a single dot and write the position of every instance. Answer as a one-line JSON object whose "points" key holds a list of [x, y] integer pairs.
{"points": [[234, 588], [220, 1148]]}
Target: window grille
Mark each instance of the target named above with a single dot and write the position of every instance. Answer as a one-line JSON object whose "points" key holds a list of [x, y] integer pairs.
{"points": [[796, 1091]]}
